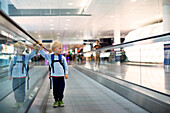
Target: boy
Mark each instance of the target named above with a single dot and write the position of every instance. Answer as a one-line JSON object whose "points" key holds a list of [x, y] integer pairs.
{"points": [[59, 70], [18, 72]]}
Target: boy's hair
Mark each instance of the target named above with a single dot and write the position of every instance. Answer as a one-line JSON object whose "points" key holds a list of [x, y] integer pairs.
{"points": [[55, 44], [20, 45]]}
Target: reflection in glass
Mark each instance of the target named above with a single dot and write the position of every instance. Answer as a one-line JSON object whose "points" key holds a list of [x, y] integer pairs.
{"points": [[18, 71]]}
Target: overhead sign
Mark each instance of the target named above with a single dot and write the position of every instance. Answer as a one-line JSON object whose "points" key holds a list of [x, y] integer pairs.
{"points": [[47, 41]]}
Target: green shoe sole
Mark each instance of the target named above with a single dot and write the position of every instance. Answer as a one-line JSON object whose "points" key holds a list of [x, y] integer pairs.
{"points": [[61, 104], [56, 104]]}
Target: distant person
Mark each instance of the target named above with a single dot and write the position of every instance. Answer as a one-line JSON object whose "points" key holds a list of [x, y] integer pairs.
{"points": [[112, 56], [80, 54], [123, 57], [97, 57], [59, 71], [18, 72]]}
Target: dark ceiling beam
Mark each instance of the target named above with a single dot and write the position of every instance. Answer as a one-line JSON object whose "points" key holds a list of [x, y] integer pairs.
{"points": [[43, 12]]}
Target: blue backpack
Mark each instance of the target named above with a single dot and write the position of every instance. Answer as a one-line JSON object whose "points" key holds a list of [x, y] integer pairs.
{"points": [[23, 64], [60, 61]]}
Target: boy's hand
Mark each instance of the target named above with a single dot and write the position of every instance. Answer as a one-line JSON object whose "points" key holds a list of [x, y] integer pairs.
{"points": [[66, 76], [9, 77], [41, 46], [34, 46]]}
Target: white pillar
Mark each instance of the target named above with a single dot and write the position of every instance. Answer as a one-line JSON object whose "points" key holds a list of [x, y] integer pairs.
{"points": [[117, 33], [87, 34], [166, 15]]}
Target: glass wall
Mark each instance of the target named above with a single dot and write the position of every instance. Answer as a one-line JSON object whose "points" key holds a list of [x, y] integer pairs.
{"points": [[144, 62], [20, 62]]}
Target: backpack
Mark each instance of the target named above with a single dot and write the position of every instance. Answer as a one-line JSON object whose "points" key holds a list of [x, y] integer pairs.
{"points": [[24, 66], [60, 61]]}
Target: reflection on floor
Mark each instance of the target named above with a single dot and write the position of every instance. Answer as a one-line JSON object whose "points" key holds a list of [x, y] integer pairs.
{"points": [[154, 77]]}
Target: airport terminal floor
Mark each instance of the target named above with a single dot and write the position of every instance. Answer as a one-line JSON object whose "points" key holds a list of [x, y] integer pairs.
{"points": [[84, 95]]}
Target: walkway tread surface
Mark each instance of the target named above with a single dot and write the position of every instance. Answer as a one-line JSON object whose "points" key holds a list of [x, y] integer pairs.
{"points": [[84, 95]]}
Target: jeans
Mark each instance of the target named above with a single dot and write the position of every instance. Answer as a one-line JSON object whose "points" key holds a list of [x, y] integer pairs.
{"points": [[58, 88], [18, 86]]}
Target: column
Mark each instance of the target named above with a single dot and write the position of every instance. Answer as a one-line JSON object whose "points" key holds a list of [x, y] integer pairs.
{"points": [[117, 41], [117, 33], [166, 15], [166, 28], [87, 34]]}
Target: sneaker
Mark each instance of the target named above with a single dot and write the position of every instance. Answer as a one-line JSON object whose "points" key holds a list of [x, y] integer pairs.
{"points": [[16, 105], [20, 104], [61, 103], [56, 104]]}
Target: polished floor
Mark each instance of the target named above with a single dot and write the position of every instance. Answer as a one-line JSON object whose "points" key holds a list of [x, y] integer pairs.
{"points": [[84, 95], [155, 77]]}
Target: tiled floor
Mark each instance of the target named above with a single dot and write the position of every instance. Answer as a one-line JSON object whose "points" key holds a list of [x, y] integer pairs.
{"points": [[84, 95]]}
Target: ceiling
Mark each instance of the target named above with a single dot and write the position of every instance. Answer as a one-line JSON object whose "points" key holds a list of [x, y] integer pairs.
{"points": [[51, 19]]}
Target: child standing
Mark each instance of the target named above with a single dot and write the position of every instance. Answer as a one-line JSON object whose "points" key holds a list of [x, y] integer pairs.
{"points": [[18, 71], [59, 71]]}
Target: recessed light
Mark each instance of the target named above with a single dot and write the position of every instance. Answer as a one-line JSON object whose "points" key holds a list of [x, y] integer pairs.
{"points": [[70, 3], [133, 0], [51, 25], [77, 35], [65, 28], [68, 13], [111, 16], [58, 33], [52, 28], [68, 20], [39, 36], [66, 24]]}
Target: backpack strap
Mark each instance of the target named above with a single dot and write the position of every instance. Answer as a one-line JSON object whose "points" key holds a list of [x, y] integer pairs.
{"points": [[60, 61], [23, 63], [14, 63], [52, 56], [15, 60], [52, 62]]}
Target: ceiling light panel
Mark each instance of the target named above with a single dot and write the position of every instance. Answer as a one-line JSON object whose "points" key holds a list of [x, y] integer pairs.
{"points": [[45, 4]]}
